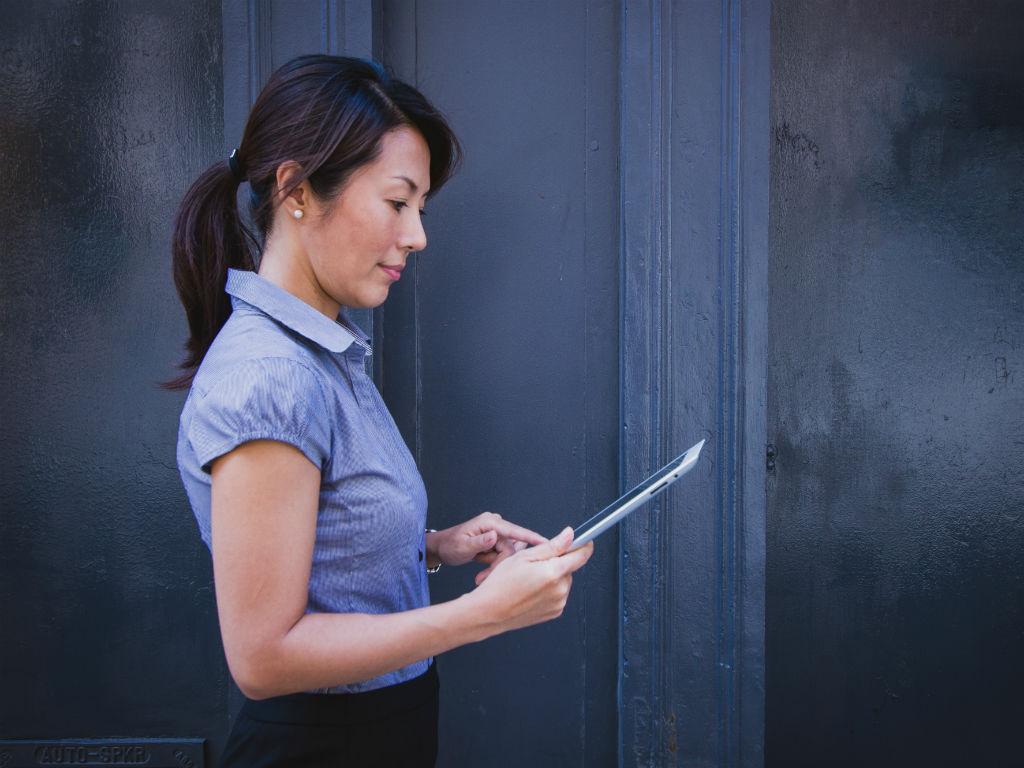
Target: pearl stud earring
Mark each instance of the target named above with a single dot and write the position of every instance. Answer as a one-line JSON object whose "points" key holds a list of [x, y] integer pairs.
{"points": [[297, 213]]}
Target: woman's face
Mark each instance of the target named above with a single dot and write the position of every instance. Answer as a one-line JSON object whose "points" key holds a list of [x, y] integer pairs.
{"points": [[358, 245]]}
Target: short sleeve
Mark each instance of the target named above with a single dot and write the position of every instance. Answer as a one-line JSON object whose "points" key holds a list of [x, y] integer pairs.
{"points": [[266, 399]]}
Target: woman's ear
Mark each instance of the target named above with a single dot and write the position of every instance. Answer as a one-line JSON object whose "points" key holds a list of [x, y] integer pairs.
{"points": [[293, 197]]}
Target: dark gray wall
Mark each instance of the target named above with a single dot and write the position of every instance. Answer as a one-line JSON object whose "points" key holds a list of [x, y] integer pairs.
{"points": [[107, 625], [895, 602]]}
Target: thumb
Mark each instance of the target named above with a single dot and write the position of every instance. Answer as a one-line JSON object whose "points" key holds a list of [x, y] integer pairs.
{"points": [[554, 547], [484, 542]]}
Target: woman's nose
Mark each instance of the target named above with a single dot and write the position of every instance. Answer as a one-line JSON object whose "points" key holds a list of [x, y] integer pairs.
{"points": [[414, 237]]}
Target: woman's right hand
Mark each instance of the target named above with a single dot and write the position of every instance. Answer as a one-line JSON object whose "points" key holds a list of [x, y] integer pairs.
{"points": [[532, 585]]}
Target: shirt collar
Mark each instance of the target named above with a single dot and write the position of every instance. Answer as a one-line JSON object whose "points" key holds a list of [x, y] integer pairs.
{"points": [[294, 313]]}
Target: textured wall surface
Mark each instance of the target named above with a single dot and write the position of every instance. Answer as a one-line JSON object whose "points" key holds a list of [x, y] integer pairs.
{"points": [[896, 381], [107, 622]]}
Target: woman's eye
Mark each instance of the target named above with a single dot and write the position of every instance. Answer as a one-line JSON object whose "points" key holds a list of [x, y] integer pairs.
{"points": [[398, 204]]}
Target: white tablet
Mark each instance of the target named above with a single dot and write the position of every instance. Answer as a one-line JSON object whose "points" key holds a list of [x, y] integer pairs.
{"points": [[637, 497]]}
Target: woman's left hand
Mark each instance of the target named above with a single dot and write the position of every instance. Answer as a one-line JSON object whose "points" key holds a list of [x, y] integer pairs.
{"points": [[487, 539]]}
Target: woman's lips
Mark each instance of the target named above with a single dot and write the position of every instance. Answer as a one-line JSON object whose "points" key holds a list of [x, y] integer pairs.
{"points": [[394, 272]]}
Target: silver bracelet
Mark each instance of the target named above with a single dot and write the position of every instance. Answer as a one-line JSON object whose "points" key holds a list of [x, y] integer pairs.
{"points": [[437, 567]]}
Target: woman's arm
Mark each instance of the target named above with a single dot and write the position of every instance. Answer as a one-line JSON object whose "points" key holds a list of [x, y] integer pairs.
{"points": [[264, 502]]}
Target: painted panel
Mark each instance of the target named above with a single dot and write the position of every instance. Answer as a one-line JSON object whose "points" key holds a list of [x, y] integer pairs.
{"points": [[107, 619], [896, 403]]}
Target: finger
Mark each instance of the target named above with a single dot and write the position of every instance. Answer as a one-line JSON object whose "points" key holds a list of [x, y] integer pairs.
{"points": [[504, 546], [502, 551], [509, 530], [479, 578], [485, 558], [503, 554]]}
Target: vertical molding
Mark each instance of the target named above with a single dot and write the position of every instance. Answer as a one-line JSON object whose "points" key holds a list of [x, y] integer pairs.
{"points": [[645, 597], [329, 21], [724, 677], [237, 69], [730, 470], [399, 316], [740, 459], [261, 42], [751, 118], [347, 27]]}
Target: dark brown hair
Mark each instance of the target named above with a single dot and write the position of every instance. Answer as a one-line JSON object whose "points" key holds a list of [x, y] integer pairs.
{"points": [[328, 114]]}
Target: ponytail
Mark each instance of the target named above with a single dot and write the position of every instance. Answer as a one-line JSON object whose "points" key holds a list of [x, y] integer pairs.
{"points": [[208, 239]]}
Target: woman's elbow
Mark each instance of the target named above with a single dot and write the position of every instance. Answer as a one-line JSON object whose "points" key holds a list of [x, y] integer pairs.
{"points": [[253, 689], [255, 674]]}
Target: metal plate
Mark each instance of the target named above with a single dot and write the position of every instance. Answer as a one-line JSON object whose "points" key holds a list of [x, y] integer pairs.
{"points": [[152, 753]]}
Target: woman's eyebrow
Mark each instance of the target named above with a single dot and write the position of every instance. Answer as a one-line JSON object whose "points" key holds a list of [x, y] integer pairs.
{"points": [[412, 184]]}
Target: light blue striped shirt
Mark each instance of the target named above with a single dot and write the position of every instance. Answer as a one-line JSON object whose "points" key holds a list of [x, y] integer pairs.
{"points": [[281, 370]]}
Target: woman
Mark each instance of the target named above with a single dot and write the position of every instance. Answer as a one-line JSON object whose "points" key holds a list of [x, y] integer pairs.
{"points": [[301, 484]]}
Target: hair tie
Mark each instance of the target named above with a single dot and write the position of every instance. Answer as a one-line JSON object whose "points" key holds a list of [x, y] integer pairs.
{"points": [[236, 169]]}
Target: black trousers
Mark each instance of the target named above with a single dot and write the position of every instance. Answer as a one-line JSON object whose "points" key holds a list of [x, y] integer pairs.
{"points": [[393, 726]]}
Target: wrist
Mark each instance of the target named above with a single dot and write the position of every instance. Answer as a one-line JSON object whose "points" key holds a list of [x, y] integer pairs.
{"points": [[479, 614], [432, 556]]}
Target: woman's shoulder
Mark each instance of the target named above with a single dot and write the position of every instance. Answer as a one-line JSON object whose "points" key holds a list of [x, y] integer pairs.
{"points": [[256, 387], [252, 340], [254, 362]]}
